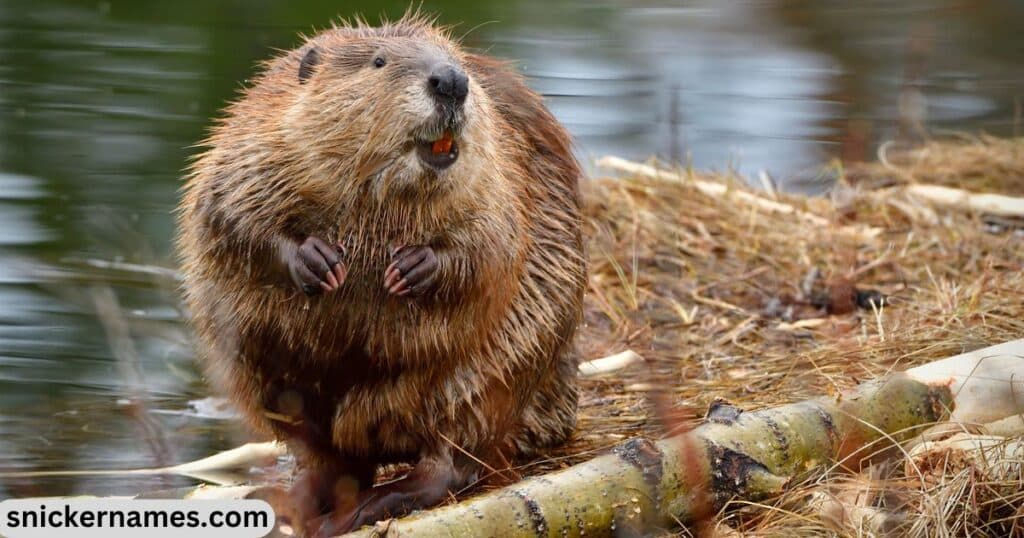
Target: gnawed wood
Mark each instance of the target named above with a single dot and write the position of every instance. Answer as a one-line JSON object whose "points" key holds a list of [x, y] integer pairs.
{"points": [[216, 468], [963, 200], [721, 190], [609, 364], [988, 383], [644, 485]]}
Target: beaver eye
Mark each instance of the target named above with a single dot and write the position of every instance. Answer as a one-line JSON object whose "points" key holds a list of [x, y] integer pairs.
{"points": [[379, 62]]}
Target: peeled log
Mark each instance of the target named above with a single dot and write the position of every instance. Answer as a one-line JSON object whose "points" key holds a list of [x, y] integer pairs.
{"points": [[987, 383], [750, 455], [721, 190], [948, 197]]}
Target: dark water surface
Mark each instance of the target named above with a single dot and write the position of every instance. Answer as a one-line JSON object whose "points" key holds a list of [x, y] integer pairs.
{"points": [[100, 101]]}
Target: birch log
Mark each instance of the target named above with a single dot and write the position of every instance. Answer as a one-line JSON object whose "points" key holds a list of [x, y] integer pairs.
{"points": [[644, 485]]}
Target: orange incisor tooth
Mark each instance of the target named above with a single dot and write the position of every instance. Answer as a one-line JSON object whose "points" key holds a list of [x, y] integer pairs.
{"points": [[443, 144]]}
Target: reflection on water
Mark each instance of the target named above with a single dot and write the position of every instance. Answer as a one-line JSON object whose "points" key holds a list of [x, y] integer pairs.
{"points": [[100, 101]]}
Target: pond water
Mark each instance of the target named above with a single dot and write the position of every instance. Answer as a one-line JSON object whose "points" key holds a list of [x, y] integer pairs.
{"points": [[100, 101]]}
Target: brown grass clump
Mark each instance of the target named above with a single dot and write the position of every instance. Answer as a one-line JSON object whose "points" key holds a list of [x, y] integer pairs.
{"points": [[729, 302]]}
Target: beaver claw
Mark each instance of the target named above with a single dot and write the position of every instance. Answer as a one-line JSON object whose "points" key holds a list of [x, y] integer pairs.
{"points": [[317, 266], [413, 271]]}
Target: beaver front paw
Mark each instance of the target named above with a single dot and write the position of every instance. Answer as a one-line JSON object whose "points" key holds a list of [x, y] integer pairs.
{"points": [[317, 266], [413, 271]]}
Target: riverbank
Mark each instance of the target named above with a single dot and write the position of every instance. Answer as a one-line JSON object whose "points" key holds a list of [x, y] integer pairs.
{"points": [[727, 297]]}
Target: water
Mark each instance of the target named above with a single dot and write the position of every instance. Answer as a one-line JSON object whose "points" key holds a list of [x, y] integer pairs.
{"points": [[100, 101]]}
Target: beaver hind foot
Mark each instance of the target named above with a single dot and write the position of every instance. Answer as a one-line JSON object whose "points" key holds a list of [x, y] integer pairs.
{"points": [[429, 483]]}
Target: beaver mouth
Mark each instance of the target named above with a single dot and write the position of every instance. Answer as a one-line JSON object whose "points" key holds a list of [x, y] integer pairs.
{"points": [[441, 153]]}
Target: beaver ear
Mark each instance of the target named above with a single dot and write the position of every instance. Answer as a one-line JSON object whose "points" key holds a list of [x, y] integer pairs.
{"points": [[309, 61]]}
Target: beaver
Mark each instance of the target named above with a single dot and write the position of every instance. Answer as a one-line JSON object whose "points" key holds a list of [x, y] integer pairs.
{"points": [[381, 243]]}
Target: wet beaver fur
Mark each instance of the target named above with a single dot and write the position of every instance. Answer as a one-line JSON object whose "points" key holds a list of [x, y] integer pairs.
{"points": [[383, 262]]}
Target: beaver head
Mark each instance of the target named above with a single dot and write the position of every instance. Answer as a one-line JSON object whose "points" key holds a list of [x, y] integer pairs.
{"points": [[392, 105]]}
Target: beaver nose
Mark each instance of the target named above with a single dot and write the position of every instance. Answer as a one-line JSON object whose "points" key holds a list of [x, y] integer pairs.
{"points": [[449, 82]]}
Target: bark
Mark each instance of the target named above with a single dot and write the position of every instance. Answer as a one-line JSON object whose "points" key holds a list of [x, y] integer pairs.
{"points": [[645, 485]]}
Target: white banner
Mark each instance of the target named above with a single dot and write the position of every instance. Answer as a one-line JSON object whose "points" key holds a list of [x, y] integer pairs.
{"points": [[131, 518]]}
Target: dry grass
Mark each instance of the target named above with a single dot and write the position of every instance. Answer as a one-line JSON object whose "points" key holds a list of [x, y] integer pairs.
{"points": [[724, 301], [985, 164]]}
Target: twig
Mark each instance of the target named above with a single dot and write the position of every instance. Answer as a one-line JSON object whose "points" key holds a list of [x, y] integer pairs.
{"points": [[247, 455], [612, 363]]}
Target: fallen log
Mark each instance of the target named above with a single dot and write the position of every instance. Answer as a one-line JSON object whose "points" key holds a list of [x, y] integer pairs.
{"points": [[720, 190], [951, 198], [215, 469], [644, 485]]}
